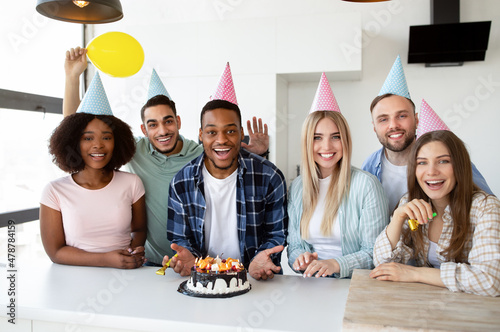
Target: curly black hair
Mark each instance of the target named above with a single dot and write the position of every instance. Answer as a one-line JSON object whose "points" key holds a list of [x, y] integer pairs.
{"points": [[64, 143]]}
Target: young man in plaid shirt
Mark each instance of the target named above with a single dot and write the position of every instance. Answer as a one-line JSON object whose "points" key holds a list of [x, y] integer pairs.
{"points": [[227, 201]]}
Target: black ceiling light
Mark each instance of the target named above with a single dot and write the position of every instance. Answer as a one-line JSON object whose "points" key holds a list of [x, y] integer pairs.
{"points": [[90, 11]]}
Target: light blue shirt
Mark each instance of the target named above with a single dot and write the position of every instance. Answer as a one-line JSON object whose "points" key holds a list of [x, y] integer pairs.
{"points": [[362, 215]]}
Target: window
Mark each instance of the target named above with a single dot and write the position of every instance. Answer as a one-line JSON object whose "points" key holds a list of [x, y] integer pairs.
{"points": [[26, 166], [32, 49]]}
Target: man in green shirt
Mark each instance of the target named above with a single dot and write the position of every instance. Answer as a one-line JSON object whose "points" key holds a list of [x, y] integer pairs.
{"points": [[160, 154]]}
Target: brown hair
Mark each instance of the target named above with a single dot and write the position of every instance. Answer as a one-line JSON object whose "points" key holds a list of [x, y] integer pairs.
{"points": [[158, 100], [460, 196], [379, 98]]}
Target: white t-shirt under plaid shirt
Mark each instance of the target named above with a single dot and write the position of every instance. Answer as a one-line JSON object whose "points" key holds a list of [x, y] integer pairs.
{"points": [[481, 272]]}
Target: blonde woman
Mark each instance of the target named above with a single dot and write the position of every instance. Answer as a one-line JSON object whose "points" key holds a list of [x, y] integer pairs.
{"points": [[335, 210]]}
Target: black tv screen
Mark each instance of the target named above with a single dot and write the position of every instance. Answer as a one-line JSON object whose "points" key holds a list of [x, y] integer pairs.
{"points": [[451, 42]]}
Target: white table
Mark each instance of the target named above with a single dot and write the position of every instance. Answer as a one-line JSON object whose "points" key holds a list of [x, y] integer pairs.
{"points": [[54, 297]]}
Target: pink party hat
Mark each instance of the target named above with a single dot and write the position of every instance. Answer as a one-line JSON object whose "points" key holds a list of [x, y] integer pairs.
{"points": [[324, 100], [428, 120], [225, 89], [395, 82], [95, 100]]}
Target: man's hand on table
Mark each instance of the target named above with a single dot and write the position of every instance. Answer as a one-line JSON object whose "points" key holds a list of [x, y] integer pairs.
{"points": [[181, 263], [262, 266]]}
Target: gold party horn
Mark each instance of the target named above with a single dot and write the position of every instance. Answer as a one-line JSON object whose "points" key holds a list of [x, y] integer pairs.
{"points": [[161, 271], [411, 222], [414, 223]]}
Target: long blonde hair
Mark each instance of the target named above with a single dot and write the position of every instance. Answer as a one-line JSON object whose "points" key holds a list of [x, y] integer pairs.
{"points": [[341, 177]]}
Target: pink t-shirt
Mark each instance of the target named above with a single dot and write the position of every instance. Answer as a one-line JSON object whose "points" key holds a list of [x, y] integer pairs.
{"points": [[95, 220]]}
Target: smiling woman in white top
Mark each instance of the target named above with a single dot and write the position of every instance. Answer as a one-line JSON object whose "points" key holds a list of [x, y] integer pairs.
{"points": [[335, 211], [457, 241]]}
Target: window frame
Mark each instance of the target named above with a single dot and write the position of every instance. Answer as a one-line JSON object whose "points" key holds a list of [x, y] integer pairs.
{"points": [[26, 102]]}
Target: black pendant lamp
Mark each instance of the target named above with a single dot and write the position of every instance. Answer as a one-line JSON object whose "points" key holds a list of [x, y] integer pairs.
{"points": [[89, 11]]}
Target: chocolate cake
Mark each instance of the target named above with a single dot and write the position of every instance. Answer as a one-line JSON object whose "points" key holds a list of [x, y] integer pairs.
{"points": [[215, 277]]}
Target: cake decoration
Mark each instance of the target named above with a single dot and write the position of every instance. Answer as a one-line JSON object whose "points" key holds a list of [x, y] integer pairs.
{"points": [[216, 277]]}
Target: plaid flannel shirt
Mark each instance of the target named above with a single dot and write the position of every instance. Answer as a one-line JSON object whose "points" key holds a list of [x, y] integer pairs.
{"points": [[261, 207], [481, 272]]}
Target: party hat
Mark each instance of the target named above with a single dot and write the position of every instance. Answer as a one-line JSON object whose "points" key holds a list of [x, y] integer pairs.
{"points": [[95, 100], [225, 88], [395, 83], [324, 100], [156, 87], [428, 120]]}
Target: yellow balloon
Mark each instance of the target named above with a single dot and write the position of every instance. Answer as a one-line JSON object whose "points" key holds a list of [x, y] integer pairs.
{"points": [[116, 54]]}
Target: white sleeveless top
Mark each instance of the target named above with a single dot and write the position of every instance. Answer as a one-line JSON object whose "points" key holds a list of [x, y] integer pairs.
{"points": [[432, 255], [327, 247]]}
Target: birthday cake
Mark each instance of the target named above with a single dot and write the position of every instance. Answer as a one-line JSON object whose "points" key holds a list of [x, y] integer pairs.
{"points": [[216, 277]]}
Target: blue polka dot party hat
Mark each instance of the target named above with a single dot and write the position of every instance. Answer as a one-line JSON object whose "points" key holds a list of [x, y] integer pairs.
{"points": [[156, 87], [95, 100], [395, 83]]}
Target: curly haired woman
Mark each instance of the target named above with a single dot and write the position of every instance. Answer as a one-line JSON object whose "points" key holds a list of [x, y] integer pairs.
{"points": [[96, 215]]}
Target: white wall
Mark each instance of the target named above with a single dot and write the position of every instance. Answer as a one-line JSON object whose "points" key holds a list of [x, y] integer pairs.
{"points": [[269, 42]]}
